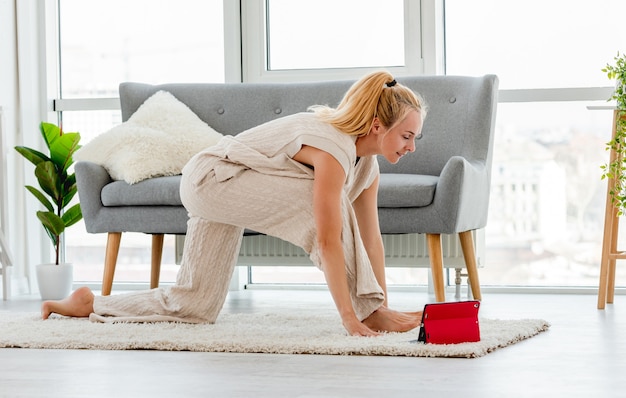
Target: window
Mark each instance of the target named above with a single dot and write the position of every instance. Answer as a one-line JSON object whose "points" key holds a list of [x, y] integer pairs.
{"points": [[334, 34], [534, 44], [105, 43], [306, 40], [547, 201], [287, 40]]}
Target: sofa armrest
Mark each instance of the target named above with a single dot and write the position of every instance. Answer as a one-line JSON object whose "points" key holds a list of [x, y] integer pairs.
{"points": [[462, 194], [90, 179]]}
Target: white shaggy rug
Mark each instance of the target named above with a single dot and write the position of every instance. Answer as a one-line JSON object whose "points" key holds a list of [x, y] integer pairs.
{"points": [[260, 333]]}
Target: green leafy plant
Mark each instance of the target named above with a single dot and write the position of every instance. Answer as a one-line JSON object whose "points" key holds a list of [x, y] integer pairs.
{"points": [[615, 170], [58, 186], [618, 72]]}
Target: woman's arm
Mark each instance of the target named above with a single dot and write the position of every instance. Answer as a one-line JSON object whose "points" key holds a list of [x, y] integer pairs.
{"points": [[329, 179], [366, 210]]}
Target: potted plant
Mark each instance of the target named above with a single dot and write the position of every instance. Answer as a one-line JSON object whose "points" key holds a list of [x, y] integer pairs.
{"points": [[57, 188], [616, 168]]}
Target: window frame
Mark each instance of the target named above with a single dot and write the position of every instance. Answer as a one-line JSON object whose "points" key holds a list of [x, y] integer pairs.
{"points": [[254, 49], [232, 60], [245, 52]]}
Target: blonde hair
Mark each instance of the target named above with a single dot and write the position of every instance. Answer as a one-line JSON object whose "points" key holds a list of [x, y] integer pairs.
{"points": [[375, 95]]}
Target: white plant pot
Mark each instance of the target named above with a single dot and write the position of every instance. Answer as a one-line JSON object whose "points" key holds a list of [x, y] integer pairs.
{"points": [[55, 281]]}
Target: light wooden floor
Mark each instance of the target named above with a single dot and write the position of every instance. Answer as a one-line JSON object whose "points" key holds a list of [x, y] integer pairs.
{"points": [[582, 355]]}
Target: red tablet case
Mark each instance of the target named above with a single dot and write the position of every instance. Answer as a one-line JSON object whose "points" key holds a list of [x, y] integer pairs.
{"points": [[450, 323]]}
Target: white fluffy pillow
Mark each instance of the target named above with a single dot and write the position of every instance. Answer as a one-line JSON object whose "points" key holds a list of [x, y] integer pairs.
{"points": [[157, 140]]}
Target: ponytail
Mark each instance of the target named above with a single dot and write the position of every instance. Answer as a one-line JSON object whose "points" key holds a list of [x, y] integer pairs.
{"points": [[375, 95]]}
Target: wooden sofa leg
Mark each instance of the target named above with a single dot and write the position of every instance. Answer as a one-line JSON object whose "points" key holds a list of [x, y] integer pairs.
{"points": [[157, 253], [467, 245], [110, 260], [436, 265]]}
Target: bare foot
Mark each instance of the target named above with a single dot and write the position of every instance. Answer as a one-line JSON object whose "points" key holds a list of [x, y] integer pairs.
{"points": [[387, 320], [79, 304], [414, 314]]}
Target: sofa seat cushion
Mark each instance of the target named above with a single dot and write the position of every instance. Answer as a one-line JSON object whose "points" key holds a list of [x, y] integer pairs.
{"points": [[396, 190], [158, 191], [406, 190]]}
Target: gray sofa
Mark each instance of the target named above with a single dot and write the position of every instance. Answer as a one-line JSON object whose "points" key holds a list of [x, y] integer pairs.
{"points": [[441, 188]]}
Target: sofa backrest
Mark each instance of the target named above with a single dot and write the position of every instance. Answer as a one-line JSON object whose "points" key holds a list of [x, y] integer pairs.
{"points": [[460, 121]]}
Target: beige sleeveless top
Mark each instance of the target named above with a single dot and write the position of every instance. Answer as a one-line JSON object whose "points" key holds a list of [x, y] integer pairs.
{"points": [[270, 147]]}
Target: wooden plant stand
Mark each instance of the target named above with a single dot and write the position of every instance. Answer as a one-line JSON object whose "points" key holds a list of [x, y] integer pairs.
{"points": [[610, 253]]}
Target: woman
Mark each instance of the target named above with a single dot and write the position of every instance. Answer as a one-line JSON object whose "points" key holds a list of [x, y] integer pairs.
{"points": [[310, 179]]}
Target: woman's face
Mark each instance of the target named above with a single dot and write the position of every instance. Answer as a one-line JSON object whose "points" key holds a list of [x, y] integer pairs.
{"points": [[400, 140]]}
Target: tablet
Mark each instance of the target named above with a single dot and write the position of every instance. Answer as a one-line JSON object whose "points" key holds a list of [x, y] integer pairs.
{"points": [[450, 323]]}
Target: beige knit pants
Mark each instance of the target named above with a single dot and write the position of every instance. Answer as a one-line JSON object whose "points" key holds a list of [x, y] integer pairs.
{"points": [[219, 211]]}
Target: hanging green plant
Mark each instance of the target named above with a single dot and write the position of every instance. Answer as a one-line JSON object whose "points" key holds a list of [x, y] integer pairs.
{"points": [[615, 170]]}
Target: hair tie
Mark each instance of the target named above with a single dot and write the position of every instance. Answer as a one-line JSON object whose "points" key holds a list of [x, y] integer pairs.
{"points": [[392, 83]]}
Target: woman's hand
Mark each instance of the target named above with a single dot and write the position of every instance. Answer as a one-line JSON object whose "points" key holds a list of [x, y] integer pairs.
{"points": [[357, 328]]}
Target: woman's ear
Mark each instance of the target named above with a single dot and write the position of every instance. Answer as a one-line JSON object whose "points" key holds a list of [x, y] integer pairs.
{"points": [[376, 127]]}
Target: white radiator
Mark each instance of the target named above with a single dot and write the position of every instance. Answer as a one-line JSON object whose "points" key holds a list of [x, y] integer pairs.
{"points": [[406, 250]]}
